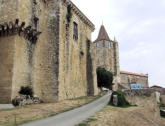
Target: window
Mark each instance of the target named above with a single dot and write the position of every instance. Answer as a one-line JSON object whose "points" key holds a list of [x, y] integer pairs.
{"points": [[103, 44], [97, 44], [75, 31], [109, 45], [35, 22]]}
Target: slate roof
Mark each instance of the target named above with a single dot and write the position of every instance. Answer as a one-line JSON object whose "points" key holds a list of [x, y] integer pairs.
{"points": [[102, 35]]}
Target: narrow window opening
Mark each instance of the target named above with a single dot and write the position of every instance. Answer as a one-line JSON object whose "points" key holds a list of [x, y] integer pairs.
{"points": [[75, 31], [109, 45], [36, 22], [103, 43]]}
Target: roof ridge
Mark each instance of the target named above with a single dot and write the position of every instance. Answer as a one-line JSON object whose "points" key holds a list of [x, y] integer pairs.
{"points": [[103, 35]]}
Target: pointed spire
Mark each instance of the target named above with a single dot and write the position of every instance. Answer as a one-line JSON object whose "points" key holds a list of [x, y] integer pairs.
{"points": [[102, 35], [115, 39]]}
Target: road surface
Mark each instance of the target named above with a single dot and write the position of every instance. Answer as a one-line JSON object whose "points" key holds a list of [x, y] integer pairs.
{"points": [[6, 106], [74, 116]]}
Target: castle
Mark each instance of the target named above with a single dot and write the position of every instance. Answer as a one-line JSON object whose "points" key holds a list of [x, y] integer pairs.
{"points": [[46, 44]]}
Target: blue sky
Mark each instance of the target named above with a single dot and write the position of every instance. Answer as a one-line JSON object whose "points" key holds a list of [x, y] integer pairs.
{"points": [[139, 26]]}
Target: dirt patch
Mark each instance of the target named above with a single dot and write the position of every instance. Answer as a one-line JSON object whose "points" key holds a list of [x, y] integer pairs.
{"points": [[39, 111], [132, 116]]}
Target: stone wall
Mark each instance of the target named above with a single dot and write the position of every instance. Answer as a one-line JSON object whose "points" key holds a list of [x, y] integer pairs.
{"points": [[55, 65], [74, 58], [144, 98], [46, 52], [6, 68], [141, 97], [15, 44]]}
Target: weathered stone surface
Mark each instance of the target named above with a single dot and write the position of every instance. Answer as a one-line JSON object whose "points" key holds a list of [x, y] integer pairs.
{"points": [[141, 97], [115, 100], [162, 97], [23, 100], [56, 66]]}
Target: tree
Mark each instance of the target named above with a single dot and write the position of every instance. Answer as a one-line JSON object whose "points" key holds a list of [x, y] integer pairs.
{"points": [[26, 90], [104, 78]]}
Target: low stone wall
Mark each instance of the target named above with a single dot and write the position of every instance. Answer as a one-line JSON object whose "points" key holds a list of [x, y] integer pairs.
{"points": [[143, 98]]}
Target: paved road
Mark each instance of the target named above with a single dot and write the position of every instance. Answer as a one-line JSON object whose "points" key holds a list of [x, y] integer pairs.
{"points": [[6, 106], [75, 116]]}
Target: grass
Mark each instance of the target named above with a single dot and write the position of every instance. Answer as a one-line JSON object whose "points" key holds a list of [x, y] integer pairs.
{"points": [[7, 116], [85, 123], [125, 106]]}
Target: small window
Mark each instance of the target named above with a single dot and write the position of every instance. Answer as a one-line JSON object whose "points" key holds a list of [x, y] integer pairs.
{"points": [[36, 22], [75, 31], [103, 44], [97, 44], [109, 45]]}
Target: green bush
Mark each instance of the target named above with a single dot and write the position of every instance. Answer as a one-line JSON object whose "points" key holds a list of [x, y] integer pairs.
{"points": [[122, 102], [69, 14], [26, 90], [104, 78], [15, 102]]}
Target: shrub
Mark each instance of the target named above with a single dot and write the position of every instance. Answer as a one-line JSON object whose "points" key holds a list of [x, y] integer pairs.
{"points": [[15, 102], [121, 99], [26, 91], [69, 14], [104, 78]]}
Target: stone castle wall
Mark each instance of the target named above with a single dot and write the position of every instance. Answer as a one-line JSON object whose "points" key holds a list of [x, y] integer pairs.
{"points": [[56, 66], [15, 48], [6, 68], [75, 69]]}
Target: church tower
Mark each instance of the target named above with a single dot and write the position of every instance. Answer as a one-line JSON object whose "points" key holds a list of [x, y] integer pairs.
{"points": [[107, 54]]}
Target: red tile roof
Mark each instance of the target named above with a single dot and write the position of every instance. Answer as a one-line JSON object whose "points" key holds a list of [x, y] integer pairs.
{"points": [[102, 35], [156, 86], [136, 74]]}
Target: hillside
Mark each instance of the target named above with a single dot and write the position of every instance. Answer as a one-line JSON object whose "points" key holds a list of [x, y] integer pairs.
{"points": [[132, 116]]}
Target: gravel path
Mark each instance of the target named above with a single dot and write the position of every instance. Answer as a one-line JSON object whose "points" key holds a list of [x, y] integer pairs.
{"points": [[75, 116]]}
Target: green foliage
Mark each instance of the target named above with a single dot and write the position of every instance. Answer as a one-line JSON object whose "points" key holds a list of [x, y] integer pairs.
{"points": [[162, 113], [15, 102], [104, 78], [69, 14], [122, 102], [26, 90]]}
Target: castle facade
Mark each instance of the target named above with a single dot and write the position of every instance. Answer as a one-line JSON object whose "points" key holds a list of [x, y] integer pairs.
{"points": [[45, 44]]}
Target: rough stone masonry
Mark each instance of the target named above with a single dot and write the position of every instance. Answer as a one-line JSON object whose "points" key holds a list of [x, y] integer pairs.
{"points": [[45, 44]]}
